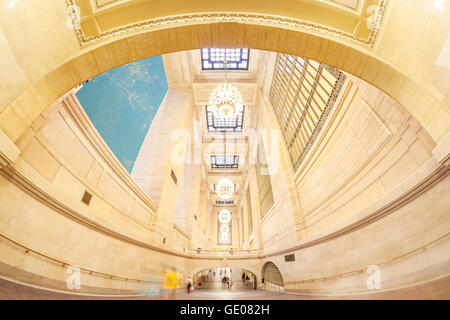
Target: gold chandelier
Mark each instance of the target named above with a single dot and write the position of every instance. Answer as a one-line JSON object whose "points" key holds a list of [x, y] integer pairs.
{"points": [[225, 100]]}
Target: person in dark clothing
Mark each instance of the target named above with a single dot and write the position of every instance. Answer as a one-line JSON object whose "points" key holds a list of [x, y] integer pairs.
{"points": [[189, 285]]}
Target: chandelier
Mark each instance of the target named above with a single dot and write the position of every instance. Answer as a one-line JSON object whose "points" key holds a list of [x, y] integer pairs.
{"points": [[225, 188], [225, 100], [225, 220], [225, 216]]}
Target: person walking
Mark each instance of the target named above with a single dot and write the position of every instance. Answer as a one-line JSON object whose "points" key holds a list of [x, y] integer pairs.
{"points": [[172, 282], [189, 285]]}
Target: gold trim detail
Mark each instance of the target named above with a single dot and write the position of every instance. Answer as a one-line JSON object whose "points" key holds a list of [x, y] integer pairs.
{"points": [[201, 18]]}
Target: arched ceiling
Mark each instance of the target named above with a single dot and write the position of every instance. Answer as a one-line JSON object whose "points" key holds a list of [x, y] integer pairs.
{"points": [[348, 18]]}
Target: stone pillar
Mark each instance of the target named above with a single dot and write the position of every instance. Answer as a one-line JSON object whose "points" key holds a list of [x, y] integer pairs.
{"points": [[158, 168], [187, 204]]}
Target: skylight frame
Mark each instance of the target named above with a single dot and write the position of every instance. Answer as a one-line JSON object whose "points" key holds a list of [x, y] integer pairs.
{"points": [[221, 161], [215, 124], [212, 59]]}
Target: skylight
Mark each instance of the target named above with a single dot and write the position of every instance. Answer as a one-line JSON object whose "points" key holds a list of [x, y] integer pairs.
{"points": [[222, 161], [213, 59], [216, 124]]}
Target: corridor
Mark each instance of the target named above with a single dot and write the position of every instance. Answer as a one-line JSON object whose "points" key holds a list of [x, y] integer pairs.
{"points": [[290, 150]]}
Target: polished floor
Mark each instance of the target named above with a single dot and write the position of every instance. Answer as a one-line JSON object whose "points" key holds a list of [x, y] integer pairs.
{"points": [[12, 290]]}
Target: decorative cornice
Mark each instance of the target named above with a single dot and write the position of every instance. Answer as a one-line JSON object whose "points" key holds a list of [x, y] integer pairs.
{"points": [[26, 185], [8, 150], [202, 18], [181, 231]]}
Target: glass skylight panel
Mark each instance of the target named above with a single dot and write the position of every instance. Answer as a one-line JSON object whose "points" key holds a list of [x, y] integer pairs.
{"points": [[302, 94], [217, 124], [213, 58], [222, 161]]}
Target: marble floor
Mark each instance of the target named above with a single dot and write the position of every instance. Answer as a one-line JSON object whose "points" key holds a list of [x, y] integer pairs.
{"points": [[15, 291]]}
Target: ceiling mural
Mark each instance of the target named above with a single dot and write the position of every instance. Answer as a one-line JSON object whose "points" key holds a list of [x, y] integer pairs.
{"points": [[122, 103]]}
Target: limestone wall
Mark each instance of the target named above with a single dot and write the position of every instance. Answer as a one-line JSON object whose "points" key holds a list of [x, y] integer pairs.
{"points": [[371, 192]]}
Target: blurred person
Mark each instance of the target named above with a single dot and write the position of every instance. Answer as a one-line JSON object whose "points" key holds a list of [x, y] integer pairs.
{"points": [[224, 280], [172, 283], [189, 285], [153, 286]]}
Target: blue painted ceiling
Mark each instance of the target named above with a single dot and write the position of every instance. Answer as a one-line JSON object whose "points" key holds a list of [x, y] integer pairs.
{"points": [[122, 103]]}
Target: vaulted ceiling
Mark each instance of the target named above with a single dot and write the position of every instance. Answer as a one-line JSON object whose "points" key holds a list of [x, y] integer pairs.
{"points": [[102, 17]]}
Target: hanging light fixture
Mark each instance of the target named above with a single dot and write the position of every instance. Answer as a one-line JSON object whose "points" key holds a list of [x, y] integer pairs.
{"points": [[225, 216], [225, 100], [225, 187], [224, 220]]}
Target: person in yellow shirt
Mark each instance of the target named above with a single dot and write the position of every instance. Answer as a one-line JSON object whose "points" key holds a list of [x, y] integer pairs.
{"points": [[172, 282]]}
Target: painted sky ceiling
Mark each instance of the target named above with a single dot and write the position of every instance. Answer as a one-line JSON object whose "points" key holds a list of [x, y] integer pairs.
{"points": [[122, 103]]}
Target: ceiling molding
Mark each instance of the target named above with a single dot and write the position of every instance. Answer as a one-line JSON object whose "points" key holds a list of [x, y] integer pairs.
{"points": [[216, 17]]}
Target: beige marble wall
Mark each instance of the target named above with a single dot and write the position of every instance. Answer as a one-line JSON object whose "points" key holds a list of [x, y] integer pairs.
{"points": [[408, 62], [116, 240], [45, 227], [373, 145], [164, 151], [369, 193]]}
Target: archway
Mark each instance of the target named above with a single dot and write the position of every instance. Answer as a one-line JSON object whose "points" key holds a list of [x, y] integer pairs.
{"points": [[135, 47], [273, 279], [225, 278], [351, 58]]}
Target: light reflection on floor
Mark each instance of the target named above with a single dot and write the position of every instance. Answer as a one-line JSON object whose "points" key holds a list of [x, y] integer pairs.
{"points": [[431, 290]]}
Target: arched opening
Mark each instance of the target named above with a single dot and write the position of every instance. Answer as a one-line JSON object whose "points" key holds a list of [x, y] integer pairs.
{"points": [[337, 53], [225, 279], [273, 279], [125, 220]]}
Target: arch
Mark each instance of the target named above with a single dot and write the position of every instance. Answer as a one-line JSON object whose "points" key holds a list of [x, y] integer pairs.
{"points": [[204, 265], [348, 57], [272, 274], [233, 267]]}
